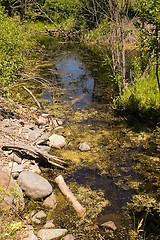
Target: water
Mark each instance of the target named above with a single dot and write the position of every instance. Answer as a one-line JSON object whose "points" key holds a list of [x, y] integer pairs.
{"points": [[106, 178]]}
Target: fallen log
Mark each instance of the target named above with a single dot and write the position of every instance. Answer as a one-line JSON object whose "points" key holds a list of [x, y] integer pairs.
{"points": [[37, 152], [67, 192]]}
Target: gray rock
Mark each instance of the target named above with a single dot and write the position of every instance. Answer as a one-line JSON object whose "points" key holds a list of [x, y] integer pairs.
{"points": [[18, 168], [68, 237], [33, 135], [42, 121], [43, 139], [45, 115], [41, 214], [34, 168], [31, 236], [38, 217], [34, 185], [49, 224], [15, 158], [109, 224], [48, 234], [57, 141], [28, 233], [50, 202], [84, 146]]}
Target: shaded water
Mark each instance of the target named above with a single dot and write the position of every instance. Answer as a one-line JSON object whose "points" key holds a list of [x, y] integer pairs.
{"points": [[105, 178]]}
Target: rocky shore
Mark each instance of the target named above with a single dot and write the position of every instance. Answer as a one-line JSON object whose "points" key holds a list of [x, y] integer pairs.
{"points": [[25, 139]]}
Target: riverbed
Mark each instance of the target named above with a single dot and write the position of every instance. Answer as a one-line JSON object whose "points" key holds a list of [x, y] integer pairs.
{"points": [[73, 84]]}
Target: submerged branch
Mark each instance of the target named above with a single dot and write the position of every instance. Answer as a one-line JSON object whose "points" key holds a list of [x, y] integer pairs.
{"points": [[35, 99], [35, 151], [67, 192]]}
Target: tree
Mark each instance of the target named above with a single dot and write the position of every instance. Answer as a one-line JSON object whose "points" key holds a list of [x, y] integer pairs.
{"points": [[149, 15]]}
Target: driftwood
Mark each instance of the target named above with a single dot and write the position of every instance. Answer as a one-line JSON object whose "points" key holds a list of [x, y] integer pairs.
{"points": [[67, 192], [35, 99], [37, 152]]}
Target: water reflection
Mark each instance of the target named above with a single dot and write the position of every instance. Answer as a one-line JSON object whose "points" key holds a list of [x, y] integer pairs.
{"points": [[81, 76]]}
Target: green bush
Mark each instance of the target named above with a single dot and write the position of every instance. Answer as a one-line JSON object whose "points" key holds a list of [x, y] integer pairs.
{"points": [[11, 49], [61, 10], [142, 94]]}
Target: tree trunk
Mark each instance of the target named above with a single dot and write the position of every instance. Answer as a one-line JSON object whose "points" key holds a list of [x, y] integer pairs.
{"points": [[157, 57], [123, 47]]}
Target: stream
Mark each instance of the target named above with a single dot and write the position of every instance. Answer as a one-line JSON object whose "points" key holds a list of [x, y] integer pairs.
{"points": [[106, 178]]}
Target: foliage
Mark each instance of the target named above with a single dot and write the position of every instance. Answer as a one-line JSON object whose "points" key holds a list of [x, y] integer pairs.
{"points": [[142, 94], [7, 218], [11, 50]]}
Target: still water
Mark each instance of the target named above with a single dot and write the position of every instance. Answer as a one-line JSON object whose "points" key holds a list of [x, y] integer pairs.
{"points": [[104, 179]]}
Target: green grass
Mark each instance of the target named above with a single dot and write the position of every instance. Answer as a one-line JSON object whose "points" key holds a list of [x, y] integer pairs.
{"points": [[142, 94]]}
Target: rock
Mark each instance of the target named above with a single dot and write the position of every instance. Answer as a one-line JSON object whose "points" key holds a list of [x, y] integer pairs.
{"points": [[34, 168], [14, 168], [50, 202], [28, 233], [49, 224], [57, 141], [38, 217], [33, 135], [12, 164], [41, 214], [34, 185], [43, 139], [48, 234], [41, 121], [84, 146], [109, 224], [15, 158], [7, 183], [31, 236], [45, 115], [68, 237]]}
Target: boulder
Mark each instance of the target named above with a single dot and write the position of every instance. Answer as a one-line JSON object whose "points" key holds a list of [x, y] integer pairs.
{"points": [[57, 141], [50, 202], [34, 185], [48, 234], [84, 146], [15, 196]]}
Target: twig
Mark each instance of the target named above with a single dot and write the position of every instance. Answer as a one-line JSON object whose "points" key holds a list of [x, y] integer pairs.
{"points": [[39, 105], [45, 156]]}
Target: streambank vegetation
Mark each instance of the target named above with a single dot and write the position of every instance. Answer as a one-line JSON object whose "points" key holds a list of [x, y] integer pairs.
{"points": [[121, 29]]}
